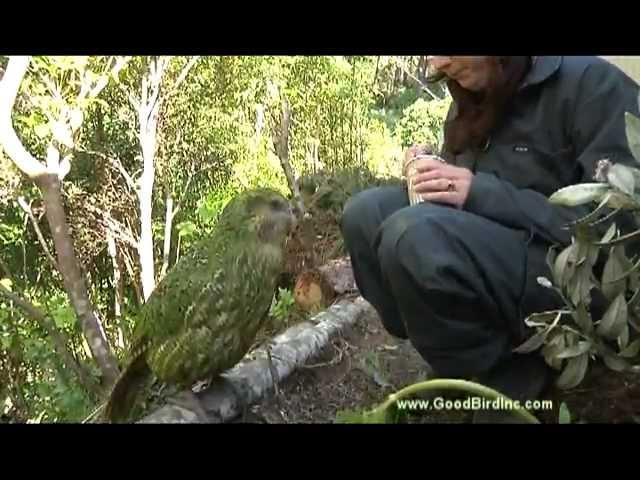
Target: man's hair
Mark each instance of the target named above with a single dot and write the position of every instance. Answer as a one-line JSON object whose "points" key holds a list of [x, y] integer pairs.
{"points": [[478, 113]]}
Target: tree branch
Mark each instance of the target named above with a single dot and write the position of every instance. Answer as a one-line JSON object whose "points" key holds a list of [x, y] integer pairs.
{"points": [[16, 70], [27, 209], [117, 164], [58, 338], [183, 75]]}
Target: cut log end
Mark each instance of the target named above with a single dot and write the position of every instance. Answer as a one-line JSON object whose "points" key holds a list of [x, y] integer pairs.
{"points": [[312, 291]]}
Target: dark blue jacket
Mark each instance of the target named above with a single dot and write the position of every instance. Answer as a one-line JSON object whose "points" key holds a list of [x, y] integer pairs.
{"points": [[568, 114]]}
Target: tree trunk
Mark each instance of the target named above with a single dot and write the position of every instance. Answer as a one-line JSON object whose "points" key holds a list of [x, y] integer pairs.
{"points": [[145, 245], [118, 289], [47, 176], [148, 110], [281, 141], [74, 281], [168, 223]]}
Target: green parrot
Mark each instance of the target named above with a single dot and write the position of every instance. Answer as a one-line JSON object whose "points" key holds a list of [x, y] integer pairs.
{"points": [[204, 316]]}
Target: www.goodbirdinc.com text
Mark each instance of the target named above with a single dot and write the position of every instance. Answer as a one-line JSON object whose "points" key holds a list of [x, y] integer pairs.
{"points": [[473, 403]]}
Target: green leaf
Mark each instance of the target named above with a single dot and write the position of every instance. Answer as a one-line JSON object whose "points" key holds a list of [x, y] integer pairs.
{"points": [[632, 350], [551, 350], [564, 416], [582, 317], [581, 286], [6, 283], [621, 178], [623, 338], [613, 270], [533, 343], [186, 229], [561, 269], [574, 372], [576, 195], [575, 350], [611, 232], [632, 127], [41, 130], [614, 319], [615, 363]]}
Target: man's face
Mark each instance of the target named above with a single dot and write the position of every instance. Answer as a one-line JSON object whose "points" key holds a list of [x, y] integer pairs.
{"points": [[471, 73]]}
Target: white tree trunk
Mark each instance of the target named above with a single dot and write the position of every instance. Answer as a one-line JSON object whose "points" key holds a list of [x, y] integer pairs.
{"points": [[118, 287], [148, 110], [168, 224]]}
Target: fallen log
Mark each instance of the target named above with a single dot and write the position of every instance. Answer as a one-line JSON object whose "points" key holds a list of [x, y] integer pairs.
{"points": [[248, 382]]}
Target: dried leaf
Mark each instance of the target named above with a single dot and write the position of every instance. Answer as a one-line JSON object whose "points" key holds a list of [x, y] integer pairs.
{"points": [[621, 178], [575, 195], [632, 350], [614, 319], [622, 201], [574, 372], [632, 127]]}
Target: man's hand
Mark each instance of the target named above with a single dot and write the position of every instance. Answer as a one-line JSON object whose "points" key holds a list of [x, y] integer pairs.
{"points": [[440, 182]]}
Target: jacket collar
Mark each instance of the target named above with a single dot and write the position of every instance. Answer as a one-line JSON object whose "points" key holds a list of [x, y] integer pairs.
{"points": [[541, 69]]}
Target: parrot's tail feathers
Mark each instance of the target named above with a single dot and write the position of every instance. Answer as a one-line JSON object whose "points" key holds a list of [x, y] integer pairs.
{"points": [[126, 390]]}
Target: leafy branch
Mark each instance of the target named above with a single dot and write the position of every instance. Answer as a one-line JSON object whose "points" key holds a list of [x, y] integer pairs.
{"points": [[569, 339]]}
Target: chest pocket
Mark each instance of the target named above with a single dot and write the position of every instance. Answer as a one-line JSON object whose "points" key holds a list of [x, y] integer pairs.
{"points": [[526, 166]]}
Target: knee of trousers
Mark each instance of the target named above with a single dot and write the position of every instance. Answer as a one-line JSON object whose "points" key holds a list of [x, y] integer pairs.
{"points": [[361, 214], [416, 240]]}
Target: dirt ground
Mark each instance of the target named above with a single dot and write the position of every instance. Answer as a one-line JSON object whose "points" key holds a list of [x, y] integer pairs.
{"points": [[365, 364], [358, 371]]}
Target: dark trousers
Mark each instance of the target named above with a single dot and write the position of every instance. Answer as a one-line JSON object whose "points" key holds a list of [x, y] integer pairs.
{"points": [[450, 281]]}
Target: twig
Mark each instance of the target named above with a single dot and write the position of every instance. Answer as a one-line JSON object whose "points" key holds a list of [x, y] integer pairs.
{"points": [[417, 80], [27, 209]]}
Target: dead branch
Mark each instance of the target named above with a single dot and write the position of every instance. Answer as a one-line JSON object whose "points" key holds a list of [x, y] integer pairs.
{"points": [[27, 209]]}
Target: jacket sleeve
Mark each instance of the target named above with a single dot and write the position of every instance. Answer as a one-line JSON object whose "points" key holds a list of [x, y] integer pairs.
{"points": [[597, 130]]}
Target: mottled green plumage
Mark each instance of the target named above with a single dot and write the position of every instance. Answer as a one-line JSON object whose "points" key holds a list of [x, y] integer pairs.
{"points": [[203, 317]]}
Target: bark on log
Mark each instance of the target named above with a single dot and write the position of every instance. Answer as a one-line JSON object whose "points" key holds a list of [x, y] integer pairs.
{"points": [[251, 379]]}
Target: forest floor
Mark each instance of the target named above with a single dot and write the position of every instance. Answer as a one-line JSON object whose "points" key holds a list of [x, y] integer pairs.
{"points": [[360, 368]]}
